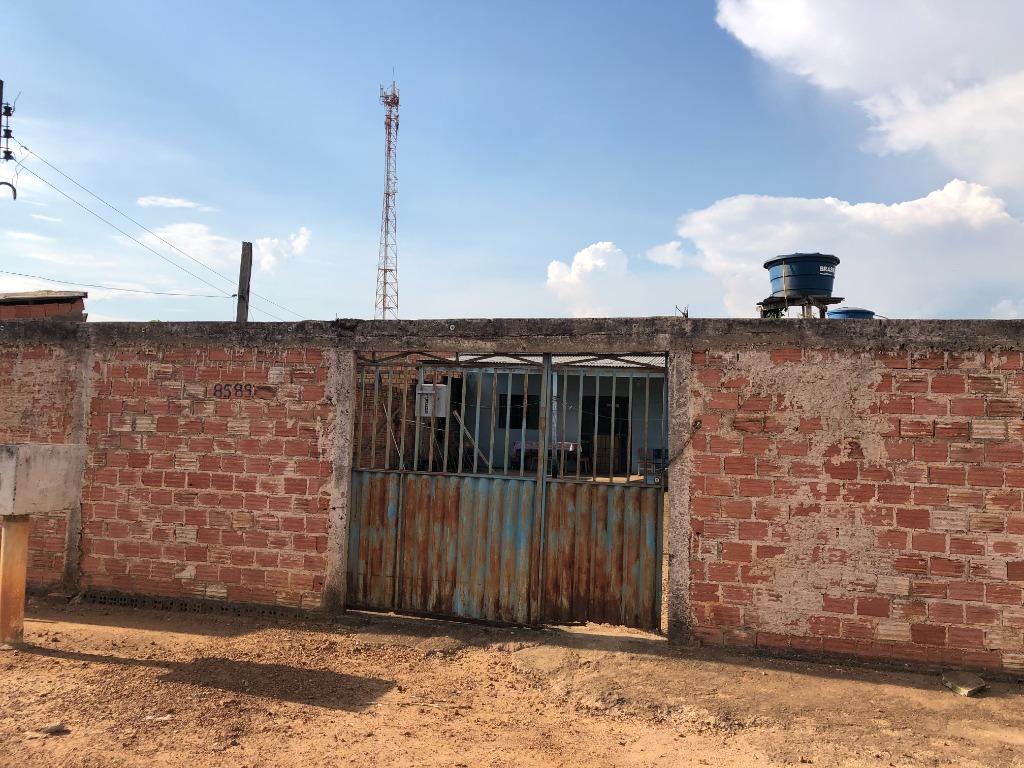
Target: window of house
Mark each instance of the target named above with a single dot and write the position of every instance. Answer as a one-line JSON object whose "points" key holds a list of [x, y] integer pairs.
{"points": [[514, 415]]}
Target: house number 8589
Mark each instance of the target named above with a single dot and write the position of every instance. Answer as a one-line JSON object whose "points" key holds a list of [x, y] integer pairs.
{"points": [[232, 390]]}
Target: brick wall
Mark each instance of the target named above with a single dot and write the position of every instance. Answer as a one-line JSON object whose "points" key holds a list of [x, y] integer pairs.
{"points": [[209, 474], [40, 310], [860, 503], [856, 502], [37, 388]]}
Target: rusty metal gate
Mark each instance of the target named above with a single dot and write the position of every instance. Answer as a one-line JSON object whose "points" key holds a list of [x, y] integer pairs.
{"points": [[509, 488]]}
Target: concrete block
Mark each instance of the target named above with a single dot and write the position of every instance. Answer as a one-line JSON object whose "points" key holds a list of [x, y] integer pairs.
{"points": [[37, 478]]}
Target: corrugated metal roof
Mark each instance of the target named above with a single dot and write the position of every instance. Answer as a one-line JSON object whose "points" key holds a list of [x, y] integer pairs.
{"points": [[580, 361]]}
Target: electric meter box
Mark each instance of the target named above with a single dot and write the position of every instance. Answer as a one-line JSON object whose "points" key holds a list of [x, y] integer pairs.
{"points": [[432, 400]]}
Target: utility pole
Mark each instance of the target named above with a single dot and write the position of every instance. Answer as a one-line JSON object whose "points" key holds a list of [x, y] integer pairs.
{"points": [[6, 110], [387, 258], [244, 274]]}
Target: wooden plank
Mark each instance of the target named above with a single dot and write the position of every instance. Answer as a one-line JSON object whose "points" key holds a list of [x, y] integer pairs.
{"points": [[13, 576]]}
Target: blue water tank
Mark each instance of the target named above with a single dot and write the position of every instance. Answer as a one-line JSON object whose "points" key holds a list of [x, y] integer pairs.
{"points": [[802, 274], [850, 313]]}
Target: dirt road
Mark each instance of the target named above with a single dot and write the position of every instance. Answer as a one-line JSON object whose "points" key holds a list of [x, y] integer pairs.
{"points": [[163, 689]]}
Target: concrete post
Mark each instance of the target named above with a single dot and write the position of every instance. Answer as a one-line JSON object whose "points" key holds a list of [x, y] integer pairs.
{"points": [[341, 385], [679, 472]]}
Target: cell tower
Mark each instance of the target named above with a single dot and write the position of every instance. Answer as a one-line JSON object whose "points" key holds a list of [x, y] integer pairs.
{"points": [[387, 259]]}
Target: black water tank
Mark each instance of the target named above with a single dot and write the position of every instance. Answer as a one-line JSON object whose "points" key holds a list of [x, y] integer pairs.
{"points": [[802, 274]]}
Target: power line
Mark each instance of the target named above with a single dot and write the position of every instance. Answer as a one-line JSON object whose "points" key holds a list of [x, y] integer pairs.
{"points": [[151, 232], [114, 288], [135, 240]]}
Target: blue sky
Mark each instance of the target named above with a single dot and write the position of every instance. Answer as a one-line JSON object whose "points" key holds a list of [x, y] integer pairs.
{"points": [[587, 135]]}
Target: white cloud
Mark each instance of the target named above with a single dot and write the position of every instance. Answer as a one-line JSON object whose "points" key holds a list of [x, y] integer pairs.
{"points": [[588, 285], [1007, 309], [156, 201], [30, 237], [945, 76], [670, 254], [43, 217], [268, 251], [196, 240], [601, 281], [954, 252], [17, 284]]}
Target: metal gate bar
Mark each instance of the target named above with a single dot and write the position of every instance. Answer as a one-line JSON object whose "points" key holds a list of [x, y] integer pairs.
{"points": [[522, 506]]}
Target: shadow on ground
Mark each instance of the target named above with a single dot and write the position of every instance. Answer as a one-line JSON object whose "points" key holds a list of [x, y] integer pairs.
{"points": [[282, 682]]}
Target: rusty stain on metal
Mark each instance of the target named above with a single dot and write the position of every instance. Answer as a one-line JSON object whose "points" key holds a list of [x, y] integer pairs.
{"points": [[505, 546]]}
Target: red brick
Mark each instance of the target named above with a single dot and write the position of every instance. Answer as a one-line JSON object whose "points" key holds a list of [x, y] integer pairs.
{"points": [[916, 428], [1004, 453], [740, 465], [965, 637], [843, 470], [910, 564], [873, 606], [985, 476], [929, 495], [891, 539], [947, 475], [895, 360], [928, 634], [913, 518], [948, 383], [894, 494], [719, 486], [755, 487], [967, 406], [791, 355], [963, 546], [898, 404], [953, 430], [980, 614], [824, 625], [985, 385], [756, 404], [723, 401], [837, 604], [736, 552], [753, 530], [929, 542], [969, 453], [944, 566], [1002, 594]]}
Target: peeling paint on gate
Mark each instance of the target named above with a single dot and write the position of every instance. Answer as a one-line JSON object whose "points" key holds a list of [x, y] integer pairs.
{"points": [[467, 547]]}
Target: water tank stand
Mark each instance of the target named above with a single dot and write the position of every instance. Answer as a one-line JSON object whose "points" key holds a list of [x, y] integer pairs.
{"points": [[776, 306]]}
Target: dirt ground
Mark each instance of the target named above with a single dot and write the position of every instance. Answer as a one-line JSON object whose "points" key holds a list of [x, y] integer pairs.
{"points": [[161, 689]]}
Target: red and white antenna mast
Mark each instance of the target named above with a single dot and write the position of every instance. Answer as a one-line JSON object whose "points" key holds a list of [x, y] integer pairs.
{"points": [[387, 259]]}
